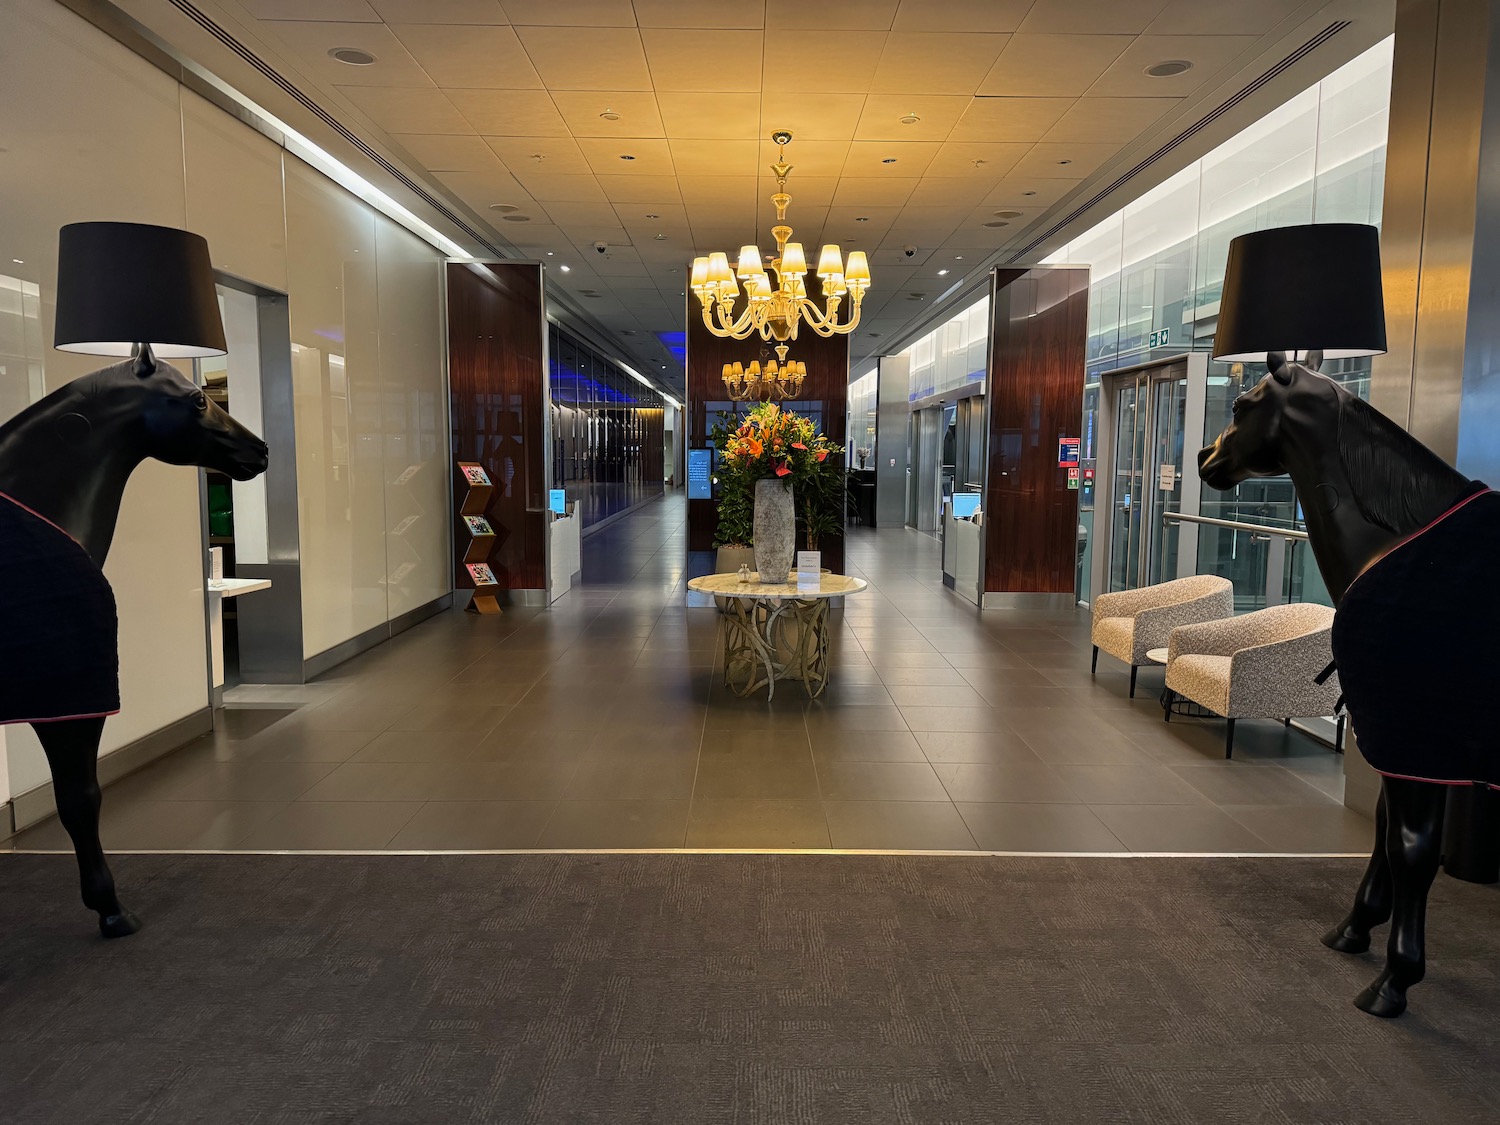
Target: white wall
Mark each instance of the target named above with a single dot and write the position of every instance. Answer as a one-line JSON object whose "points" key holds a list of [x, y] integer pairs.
{"points": [[91, 131]]}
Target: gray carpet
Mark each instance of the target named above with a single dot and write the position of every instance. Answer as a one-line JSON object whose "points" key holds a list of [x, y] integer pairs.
{"points": [[730, 989]]}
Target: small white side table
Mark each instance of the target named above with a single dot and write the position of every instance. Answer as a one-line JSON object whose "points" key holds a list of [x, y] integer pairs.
{"points": [[217, 592]]}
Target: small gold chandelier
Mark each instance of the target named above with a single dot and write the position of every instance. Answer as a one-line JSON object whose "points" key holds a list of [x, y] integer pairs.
{"points": [[776, 381], [775, 312]]}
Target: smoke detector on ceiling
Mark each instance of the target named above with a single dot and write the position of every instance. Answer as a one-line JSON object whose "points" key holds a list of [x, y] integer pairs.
{"points": [[352, 56], [1169, 68]]}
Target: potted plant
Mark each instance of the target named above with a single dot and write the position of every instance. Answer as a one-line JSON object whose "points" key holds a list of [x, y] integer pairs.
{"points": [[734, 536]]}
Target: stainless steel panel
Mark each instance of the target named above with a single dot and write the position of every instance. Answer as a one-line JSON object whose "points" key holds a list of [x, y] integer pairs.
{"points": [[893, 394]]}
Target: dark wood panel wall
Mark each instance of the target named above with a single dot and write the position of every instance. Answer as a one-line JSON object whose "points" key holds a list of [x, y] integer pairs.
{"points": [[497, 382], [1038, 332], [825, 395]]}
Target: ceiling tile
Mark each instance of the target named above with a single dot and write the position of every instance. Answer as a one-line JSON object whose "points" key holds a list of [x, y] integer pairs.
{"points": [[961, 15], [723, 61], [641, 189], [878, 191], [949, 191], [910, 158], [449, 153], [398, 110], [340, 10], [1110, 119], [1074, 160], [1104, 17], [547, 188], [695, 13], [812, 116], [842, 15], [936, 62], [836, 62], [606, 155], [484, 57], [704, 116], [1029, 191], [510, 113], [578, 213], [440, 11], [587, 58], [552, 156], [737, 190], [482, 189], [637, 110], [709, 158], [807, 158], [1209, 55], [1222, 17], [578, 13], [1037, 66], [1009, 119], [309, 43], [881, 119], [981, 160]]}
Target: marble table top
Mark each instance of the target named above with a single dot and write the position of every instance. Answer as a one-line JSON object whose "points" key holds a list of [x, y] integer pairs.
{"points": [[730, 586]]}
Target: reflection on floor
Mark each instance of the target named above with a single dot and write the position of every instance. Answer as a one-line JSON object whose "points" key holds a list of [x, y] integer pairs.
{"points": [[601, 723], [598, 500]]}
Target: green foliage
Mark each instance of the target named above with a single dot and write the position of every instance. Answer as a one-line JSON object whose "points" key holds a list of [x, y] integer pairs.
{"points": [[820, 500], [736, 491]]}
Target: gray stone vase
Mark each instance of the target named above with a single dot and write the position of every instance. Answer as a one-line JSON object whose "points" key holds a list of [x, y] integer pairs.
{"points": [[775, 529]]}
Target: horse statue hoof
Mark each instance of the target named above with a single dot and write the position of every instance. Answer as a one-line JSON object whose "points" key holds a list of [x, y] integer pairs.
{"points": [[122, 924], [1382, 999], [1341, 939]]}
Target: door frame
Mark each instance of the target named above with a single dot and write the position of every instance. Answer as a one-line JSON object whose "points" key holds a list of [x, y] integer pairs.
{"points": [[1195, 408]]}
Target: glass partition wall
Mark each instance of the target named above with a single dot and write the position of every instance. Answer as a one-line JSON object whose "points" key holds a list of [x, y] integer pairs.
{"points": [[608, 431], [1157, 269]]}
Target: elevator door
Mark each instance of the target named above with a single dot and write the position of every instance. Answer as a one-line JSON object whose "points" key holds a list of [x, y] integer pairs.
{"points": [[1146, 464]]}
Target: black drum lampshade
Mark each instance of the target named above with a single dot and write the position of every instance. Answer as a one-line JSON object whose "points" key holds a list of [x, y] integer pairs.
{"points": [[124, 284], [1300, 289]]}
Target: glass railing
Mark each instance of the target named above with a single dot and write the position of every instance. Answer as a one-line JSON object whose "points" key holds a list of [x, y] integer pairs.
{"points": [[1267, 565]]}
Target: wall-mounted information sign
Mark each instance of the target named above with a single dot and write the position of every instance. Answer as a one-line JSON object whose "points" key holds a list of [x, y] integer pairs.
{"points": [[1073, 479], [700, 474], [1068, 450], [1161, 337], [557, 500]]}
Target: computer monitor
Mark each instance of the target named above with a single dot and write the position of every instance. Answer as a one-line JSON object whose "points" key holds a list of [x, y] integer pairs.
{"points": [[965, 505]]}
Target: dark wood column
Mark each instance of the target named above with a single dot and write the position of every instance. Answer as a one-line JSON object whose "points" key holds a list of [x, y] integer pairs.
{"points": [[1038, 331], [825, 397], [498, 385]]}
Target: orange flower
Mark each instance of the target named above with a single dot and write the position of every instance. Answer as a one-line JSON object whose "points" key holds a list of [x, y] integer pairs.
{"points": [[754, 447], [822, 455]]}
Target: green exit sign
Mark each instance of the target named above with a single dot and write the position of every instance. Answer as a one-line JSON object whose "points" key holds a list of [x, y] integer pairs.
{"points": [[1160, 337]]}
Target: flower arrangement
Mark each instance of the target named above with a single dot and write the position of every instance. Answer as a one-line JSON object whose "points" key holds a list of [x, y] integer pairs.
{"points": [[772, 443], [776, 442]]}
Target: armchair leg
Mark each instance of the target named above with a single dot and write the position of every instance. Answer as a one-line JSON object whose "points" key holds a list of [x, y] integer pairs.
{"points": [[1229, 738], [1338, 735], [1168, 696], [1133, 671], [1094, 664]]}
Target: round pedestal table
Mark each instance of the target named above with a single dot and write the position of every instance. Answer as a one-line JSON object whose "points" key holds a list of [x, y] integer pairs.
{"points": [[775, 630]]}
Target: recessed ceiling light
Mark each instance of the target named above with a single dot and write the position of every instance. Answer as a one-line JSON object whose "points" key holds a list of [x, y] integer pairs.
{"points": [[515, 218], [351, 56], [610, 115], [942, 273], [626, 156], [1168, 68], [566, 269], [862, 219], [18, 261], [1007, 214], [504, 208], [997, 223], [958, 257], [889, 160], [1028, 193], [1065, 162], [549, 253], [910, 119], [659, 237], [653, 216]]}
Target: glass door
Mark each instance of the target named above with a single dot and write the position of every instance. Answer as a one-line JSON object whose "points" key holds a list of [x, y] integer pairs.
{"points": [[1128, 473], [1146, 466]]}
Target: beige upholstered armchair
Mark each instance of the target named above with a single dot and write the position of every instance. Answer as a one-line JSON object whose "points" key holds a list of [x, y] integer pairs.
{"points": [[1131, 623], [1262, 665]]}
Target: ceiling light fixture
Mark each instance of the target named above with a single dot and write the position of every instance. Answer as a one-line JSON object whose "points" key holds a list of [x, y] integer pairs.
{"points": [[351, 56], [1007, 214], [1169, 68], [1065, 162], [777, 313], [771, 383], [994, 223], [515, 218], [889, 160], [653, 216], [504, 208], [610, 115], [1028, 193], [566, 269], [626, 156], [910, 119], [942, 273]]}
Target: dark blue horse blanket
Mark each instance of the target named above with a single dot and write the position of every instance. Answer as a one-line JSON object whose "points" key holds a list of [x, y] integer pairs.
{"points": [[59, 654], [1415, 641]]}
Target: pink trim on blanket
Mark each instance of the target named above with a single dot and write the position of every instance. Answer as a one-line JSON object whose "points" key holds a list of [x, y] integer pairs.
{"points": [[60, 718], [1433, 780], [45, 520], [1403, 542]]}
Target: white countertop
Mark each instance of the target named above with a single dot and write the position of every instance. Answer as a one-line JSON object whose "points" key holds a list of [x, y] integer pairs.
{"points": [[234, 587]]}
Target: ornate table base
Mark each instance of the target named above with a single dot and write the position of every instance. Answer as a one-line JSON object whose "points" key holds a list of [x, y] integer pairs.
{"points": [[766, 641]]}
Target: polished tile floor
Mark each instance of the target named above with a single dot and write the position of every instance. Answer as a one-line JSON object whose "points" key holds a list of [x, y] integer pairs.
{"points": [[601, 723]]}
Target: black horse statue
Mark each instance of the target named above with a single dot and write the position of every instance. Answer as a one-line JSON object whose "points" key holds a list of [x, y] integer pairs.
{"points": [[1406, 545], [63, 466]]}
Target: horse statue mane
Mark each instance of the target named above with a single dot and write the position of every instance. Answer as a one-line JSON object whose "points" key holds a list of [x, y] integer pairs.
{"points": [[1380, 458]]}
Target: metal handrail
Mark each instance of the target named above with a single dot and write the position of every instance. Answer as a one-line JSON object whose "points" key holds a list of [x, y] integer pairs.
{"points": [[1263, 529]]}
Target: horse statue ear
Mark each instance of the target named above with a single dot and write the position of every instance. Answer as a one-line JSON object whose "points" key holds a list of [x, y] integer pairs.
{"points": [[1280, 370], [1314, 359], [145, 362]]}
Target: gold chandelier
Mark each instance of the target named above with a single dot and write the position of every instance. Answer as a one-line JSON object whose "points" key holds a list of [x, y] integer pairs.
{"points": [[776, 381], [776, 312]]}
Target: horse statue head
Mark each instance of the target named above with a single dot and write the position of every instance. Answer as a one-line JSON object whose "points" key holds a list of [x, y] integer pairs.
{"points": [[1363, 481], [68, 456]]}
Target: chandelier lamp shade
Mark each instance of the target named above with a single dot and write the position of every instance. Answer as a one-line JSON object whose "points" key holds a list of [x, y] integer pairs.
{"points": [[775, 294], [775, 381]]}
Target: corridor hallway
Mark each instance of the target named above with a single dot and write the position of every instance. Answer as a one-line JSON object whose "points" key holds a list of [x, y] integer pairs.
{"points": [[601, 723]]}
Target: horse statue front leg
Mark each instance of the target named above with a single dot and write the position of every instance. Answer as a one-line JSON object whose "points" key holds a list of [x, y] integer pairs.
{"points": [[1372, 902], [1413, 842], [72, 749]]}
